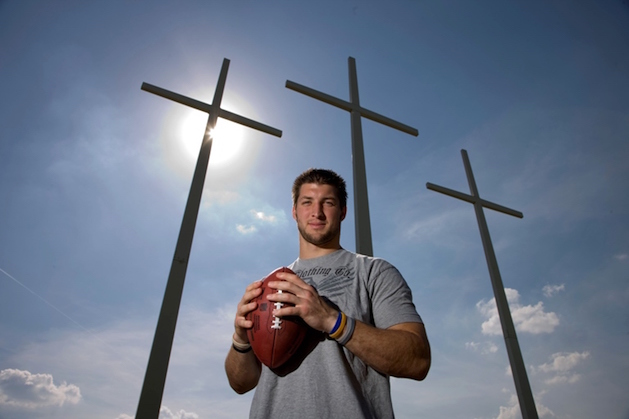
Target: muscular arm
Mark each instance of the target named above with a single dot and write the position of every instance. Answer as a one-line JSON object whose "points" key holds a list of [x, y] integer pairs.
{"points": [[402, 350], [243, 369]]}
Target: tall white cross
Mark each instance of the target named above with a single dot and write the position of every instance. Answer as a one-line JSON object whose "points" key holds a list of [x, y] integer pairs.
{"points": [[522, 386], [361, 200], [155, 378]]}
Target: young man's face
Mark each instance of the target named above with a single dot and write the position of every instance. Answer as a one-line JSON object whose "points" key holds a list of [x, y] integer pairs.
{"points": [[318, 213]]}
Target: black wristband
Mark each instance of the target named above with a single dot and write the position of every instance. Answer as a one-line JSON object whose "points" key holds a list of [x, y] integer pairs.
{"points": [[242, 351]]}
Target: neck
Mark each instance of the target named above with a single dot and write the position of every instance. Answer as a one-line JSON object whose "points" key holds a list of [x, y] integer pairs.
{"points": [[308, 250]]}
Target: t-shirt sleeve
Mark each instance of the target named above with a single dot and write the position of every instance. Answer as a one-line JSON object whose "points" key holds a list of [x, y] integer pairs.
{"points": [[392, 299]]}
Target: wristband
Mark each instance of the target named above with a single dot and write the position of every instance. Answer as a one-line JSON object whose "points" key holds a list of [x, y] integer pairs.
{"points": [[339, 330], [337, 324], [348, 332], [242, 348], [242, 351]]}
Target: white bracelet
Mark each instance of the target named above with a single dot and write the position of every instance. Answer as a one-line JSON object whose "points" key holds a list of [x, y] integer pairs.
{"points": [[241, 347]]}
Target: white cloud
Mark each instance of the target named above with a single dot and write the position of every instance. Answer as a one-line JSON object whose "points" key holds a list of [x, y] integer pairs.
{"points": [[259, 215], [550, 290], [563, 379], [111, 374], [110, 363], [21, 389], [533, 319], [243, 229], [512, 411], [621, 256], [165, 413], [259, 219], [530, 319], [561, 366], [563, 361], [482, 347], [544, 412]]}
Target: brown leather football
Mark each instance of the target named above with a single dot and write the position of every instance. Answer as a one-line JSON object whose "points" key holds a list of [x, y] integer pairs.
{"points": [[274, 339]]}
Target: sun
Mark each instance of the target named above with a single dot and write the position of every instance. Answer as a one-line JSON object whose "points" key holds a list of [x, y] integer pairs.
{"points": [[228, 138]]}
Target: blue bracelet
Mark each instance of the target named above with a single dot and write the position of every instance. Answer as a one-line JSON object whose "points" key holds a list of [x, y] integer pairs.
{"points": [[338, 323]]}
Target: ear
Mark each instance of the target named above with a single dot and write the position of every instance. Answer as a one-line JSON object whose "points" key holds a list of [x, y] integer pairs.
{"points": [[294, 214], [343, 213]]}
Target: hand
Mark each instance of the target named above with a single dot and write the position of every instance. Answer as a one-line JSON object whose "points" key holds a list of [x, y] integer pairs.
{"points": [[308, 304], [246, 306]]}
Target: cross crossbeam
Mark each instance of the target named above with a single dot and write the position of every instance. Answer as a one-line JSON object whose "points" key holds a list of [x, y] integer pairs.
{"points": [[522, 386], [361, 200], [207, 108], [473, 199], [155, 377], [349, 106]]}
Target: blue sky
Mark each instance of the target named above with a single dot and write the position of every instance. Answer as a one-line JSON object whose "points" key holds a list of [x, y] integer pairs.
{"points": [[94, 175]]}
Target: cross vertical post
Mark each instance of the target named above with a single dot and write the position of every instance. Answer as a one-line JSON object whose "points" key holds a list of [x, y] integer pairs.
{"points": [[361, 200], [520, 377], [155, 377], [362, 225]]}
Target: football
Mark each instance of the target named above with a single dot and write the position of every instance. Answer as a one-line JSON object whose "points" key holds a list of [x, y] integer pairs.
{"points": [[273, 339]]}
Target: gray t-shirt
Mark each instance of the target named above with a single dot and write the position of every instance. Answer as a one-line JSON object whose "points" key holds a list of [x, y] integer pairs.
{"points": [[323, 379]]}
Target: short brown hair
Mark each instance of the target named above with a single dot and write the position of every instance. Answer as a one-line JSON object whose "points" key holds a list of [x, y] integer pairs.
{"points": [[321, 177]]}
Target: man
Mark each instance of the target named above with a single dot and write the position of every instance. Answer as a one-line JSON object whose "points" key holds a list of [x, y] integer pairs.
{"points": [[364, 326]]}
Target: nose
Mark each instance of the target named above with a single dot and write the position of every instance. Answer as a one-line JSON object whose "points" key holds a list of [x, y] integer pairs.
{"points": [[317, 212]]}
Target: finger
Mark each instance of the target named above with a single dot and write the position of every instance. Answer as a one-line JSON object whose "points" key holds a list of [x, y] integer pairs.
{"points": [[245, 309], [253, 285], [287, 311], [250, 295], [241, 322], [244, 323], [292, 278], [283, 297], [286, 287], [293, 285]]}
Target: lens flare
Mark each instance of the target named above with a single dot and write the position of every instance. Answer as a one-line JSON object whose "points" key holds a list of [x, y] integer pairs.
{"points": [[228, 138]]}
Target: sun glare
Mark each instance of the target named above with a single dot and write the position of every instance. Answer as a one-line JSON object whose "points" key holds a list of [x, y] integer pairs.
{"points": [[228, 138]]}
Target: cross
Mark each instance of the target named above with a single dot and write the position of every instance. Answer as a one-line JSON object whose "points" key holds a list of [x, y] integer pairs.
{"points": [[155, 378], [361, 200], [522, 386]]}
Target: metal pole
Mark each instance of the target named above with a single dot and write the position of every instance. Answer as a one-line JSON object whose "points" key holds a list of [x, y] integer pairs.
{"points": [[361, 199], [155, 377], [520, 377], [362, 224]]}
